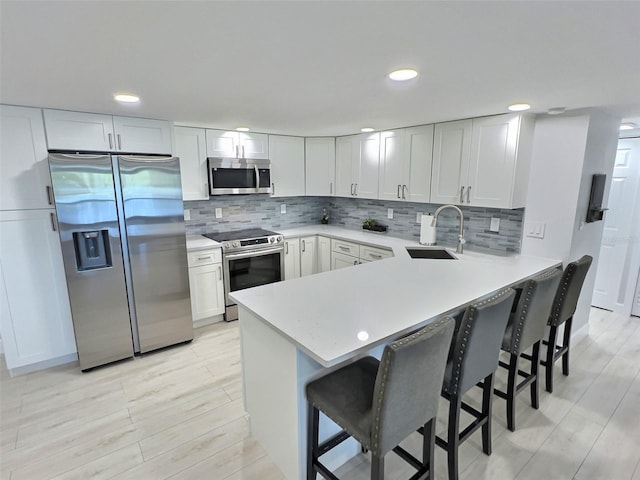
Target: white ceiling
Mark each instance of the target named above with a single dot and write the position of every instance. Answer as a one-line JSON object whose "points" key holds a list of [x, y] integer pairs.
{"points": [[319, 67]]}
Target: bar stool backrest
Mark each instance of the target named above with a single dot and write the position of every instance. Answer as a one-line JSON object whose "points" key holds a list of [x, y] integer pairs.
{"points": [[408, 384], [532, 313], [566, 299], [477, 344]]}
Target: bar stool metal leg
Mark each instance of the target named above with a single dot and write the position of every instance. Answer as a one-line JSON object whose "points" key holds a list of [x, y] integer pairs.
{"points": [[487, 401], [551, 351]]}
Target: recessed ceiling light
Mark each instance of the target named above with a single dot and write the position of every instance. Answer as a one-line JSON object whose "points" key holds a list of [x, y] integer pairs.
{"points": [[519, 107], [628, 126], [556, 111], [242, 129], [403, 74], [126, 98], [367, 129]]}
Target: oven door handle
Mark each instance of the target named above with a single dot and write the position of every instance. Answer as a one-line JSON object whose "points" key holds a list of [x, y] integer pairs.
{"points": [[253, 253]]}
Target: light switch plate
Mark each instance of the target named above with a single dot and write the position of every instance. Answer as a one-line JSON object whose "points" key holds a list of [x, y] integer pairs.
{"points": [[419, 217], [283, 208], [187, 214], [535, 229], [390, 213], [218, 212], [495, 224]]}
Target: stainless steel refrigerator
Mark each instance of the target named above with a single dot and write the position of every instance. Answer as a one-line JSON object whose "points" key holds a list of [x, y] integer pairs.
{"points": [[121, 225]]}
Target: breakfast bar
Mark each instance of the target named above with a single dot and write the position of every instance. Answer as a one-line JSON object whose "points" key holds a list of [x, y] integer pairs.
{"points": [[297, 330]]}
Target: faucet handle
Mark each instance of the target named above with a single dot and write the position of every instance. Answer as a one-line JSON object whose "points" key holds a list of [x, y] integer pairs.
{"points": [[461, 239]]}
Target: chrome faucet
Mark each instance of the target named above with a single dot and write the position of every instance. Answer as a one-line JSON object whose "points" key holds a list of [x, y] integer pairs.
{"points": [[461, 240]]}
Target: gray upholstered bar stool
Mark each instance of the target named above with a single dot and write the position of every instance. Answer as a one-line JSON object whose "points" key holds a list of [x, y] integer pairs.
{"points": [[473, 359], [381, 403], [564, 306], [526, 329]]}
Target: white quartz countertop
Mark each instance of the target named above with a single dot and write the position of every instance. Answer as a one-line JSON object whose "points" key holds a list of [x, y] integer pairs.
{"points": [[336, 315], [198, 242]]}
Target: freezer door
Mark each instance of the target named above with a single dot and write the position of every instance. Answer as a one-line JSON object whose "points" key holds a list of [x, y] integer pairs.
{"points": [[154, 218], [84, 194]]}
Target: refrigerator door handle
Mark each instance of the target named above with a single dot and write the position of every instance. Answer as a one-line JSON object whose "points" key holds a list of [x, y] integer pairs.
{"points": [[53, 222]]}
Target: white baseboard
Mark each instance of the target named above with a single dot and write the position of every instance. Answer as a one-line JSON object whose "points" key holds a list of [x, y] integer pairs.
{"points": [[34, 367], [208, 321]]}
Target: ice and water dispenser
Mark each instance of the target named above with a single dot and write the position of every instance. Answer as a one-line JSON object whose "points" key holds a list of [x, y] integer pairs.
{"points": [[92, 249]]}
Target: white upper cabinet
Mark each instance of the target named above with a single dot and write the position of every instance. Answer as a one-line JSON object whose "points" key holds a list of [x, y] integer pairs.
{"points": [[394, 159], [320, 166], [142, 135], [104, 133], [287, 166], [191, 148], [451, 149], [25, 182], [357, 159], [482, 162], [419, 144], [232, 144]]}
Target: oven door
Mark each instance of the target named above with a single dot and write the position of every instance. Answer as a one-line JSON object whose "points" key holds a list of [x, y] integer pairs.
{"points": [[251, 269]]}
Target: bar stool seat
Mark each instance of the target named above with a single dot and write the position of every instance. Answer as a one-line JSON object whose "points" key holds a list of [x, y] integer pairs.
{"points": [[381, 403]]}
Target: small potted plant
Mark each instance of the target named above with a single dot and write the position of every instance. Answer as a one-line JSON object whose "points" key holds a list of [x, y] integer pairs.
{"points": [[371, 224], [325, 217]]}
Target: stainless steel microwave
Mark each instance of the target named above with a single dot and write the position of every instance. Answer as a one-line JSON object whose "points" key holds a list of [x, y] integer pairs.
{"points": [[232, 176]]}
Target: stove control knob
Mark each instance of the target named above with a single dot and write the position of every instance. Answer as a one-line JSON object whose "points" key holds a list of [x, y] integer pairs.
{"points": [[272, 239], [278, 238], [226, 246], [236, 244]]}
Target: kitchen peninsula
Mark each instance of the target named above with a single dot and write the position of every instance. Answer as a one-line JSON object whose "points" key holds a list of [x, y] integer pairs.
{"points": [[296, 330]]}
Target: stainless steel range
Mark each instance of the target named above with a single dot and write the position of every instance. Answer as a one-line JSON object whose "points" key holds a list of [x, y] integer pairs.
{"points": [[250, 258]]}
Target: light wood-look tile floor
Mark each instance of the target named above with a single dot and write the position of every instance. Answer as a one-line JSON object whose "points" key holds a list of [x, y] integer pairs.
{"points": [[178, 414]]}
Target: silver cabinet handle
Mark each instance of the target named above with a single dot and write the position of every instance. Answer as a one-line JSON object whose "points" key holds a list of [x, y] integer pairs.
{"points": [[468, 194], [243, 152], [355, 189], [355, 262], [206, 189], [352, 189], [461, 194], [119, 142], [375, 255], [208, 257], [330, 188], [237, 151], [273, 189], [344, 249], [304, 246], [52, 216], [49, 197], [286, 248], [404, 187], [219, 273], [110, 141], [398, 191]]}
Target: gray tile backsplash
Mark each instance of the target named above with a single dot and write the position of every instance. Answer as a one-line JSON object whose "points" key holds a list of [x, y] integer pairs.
{"points": [[250, 211]]}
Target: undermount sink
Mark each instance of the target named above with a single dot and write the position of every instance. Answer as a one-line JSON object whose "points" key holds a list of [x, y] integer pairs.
{"points": [[432, 253]]}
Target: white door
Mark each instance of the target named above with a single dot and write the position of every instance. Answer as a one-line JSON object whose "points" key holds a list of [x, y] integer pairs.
{"points": [[254, 145], [618, 262], [367, 182], [142, 135], [347, 154], [340, 260], [221, 144], [191, 148], [287, 166], [419, 144], [451, 150], [320, 166], [79, 131], [308, 260], [324, 254], [291, 259], [207, 291], [393, 162]]}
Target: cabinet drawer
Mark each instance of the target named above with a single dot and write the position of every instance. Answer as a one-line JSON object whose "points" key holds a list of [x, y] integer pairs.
{"points": [[204, 257], [372, 254], [348, 248]]}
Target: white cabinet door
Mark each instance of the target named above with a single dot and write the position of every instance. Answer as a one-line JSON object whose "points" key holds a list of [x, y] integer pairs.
{"points": [[207, 291], [393, 162], [499, 146], [190, 147], [287, 166], [253, 145], [221, 143], [367, 184], [347, 165], [308, 258], [291, 258], [324, 254], [79, 131], [320, 166], [341, 260], [142, 135], [417, 180], [36, 323], [451, 150], [25, 182]]}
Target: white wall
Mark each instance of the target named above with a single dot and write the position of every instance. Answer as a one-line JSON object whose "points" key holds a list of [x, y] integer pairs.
{"points": [[567, 151]]}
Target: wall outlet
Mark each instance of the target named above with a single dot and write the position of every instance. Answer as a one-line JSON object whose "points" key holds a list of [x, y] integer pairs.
{"points": [[534, 229], [187, 214], [218, 212], [419, 217], [495, 224], [283, 208], [390, 213]]}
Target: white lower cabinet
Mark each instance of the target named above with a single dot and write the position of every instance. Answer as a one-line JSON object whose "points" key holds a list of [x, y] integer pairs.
{"points": [[308, 258], [348, 254], [36, 320], [291, 258], [324, 254], [342, 260], [207, 286]]}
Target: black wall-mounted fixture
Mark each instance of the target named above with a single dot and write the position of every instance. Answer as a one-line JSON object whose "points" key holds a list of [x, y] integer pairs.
{"points": [[595, 212]]}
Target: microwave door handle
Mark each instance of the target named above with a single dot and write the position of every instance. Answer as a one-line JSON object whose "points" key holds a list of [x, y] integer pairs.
{"points": [[257, 177]]}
